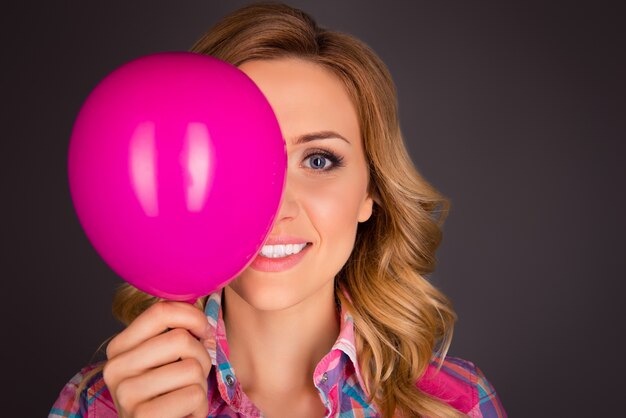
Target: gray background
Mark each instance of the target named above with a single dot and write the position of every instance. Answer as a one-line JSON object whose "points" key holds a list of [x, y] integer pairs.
{"points": [[514, 111]]}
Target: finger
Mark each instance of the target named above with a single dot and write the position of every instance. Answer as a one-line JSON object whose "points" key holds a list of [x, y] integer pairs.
{"points": [[209, 341], [188, 401], [171, 377], [157, 319], [160, 350]]}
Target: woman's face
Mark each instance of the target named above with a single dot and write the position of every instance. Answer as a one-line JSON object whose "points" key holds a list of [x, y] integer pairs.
{"points": [[325, 196]]}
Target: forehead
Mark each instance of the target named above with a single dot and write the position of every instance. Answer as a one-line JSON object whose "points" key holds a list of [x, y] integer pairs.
{"points": [[305, 96]]}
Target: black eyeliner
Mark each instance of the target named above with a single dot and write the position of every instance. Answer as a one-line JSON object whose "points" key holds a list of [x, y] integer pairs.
{"points": [[336, 160]]}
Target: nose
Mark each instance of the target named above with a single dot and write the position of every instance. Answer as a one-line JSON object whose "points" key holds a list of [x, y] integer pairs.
{"points": [[289, 207]]}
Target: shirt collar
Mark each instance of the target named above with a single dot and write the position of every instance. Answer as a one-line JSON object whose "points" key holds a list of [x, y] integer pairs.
{"points": [[345, 343]]}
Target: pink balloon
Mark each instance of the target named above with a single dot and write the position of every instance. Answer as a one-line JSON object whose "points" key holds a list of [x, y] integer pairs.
{"points": [[176, 170]]}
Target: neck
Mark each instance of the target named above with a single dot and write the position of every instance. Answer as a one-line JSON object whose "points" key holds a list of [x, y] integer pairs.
{"points": [[275, 352]]}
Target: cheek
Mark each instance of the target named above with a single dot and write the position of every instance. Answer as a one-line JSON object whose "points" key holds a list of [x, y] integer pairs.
{"points": [[332, 207]]}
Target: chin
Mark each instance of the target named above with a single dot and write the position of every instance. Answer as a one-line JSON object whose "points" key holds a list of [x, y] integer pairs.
{"points": [[263, 293], [265, 296]]}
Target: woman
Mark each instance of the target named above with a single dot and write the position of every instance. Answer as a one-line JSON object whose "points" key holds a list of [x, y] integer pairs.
{"points": [[334, 316]]}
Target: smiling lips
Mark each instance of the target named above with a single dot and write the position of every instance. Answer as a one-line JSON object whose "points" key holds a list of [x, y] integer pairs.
{"points": [[280, 253], [277, 251]]}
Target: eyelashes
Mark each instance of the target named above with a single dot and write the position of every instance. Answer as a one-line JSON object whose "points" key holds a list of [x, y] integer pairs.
{"points": [[319, 158]]}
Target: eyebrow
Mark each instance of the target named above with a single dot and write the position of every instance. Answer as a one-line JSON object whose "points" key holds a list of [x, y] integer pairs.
{"points": [[303, 139]]}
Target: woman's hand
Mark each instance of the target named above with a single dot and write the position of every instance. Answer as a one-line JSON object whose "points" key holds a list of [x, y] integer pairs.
{"points": [[158, 366]]}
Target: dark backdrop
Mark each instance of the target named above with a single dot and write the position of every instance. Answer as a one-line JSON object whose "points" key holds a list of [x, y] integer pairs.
{"points": [[515, 112]]}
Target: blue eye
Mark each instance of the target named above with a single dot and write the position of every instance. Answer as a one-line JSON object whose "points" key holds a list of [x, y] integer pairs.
{"points": [[319, 160]]}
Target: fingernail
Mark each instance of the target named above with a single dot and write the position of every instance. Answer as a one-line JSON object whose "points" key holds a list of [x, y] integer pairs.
{"points": [[209, 331], [209, 344]]}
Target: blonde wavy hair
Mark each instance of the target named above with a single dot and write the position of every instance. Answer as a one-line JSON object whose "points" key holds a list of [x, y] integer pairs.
{"points": [[402, 321]]}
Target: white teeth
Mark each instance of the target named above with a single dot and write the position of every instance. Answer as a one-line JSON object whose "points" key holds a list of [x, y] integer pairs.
{"points": [[278, 251]]}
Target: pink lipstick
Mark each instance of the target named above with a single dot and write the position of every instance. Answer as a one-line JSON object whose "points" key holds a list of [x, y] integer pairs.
{"points": [[280, 253]]}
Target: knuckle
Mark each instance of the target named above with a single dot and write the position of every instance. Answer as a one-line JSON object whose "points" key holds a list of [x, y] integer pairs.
{"points": [[197, 394], [202, 411], [124, 394], [111, 348], [175, 335], [205, 363], [180, 337], [143, 410], [108, 373], [193, 368], [160, 309]]}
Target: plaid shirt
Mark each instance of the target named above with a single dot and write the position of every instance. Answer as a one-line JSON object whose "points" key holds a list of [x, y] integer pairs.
{"points": [[337, 377]]}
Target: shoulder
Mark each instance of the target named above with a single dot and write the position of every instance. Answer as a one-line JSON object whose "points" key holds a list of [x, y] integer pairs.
{"points": [[85, 395], [463, 386]]}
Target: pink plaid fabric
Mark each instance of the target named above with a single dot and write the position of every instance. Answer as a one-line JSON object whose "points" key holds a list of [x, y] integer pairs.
{"points": [[337, 377]]}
